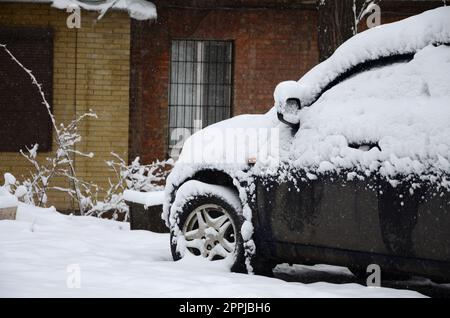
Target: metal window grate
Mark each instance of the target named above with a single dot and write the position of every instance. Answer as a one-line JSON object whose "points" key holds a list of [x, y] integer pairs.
{"points": [[200, 91]]}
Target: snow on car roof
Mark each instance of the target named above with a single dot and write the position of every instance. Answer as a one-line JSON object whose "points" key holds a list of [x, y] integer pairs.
{"points": [[404, 108], [402, 37]]}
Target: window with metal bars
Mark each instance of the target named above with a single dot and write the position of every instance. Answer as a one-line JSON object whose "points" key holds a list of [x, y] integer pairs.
{"points": [[200, 91]]}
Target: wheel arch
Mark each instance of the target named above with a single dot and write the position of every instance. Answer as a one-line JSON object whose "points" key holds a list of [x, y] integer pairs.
{"points": [[226, 179], [210, 176], [213, 176]]}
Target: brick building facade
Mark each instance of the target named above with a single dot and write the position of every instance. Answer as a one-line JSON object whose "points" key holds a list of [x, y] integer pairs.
{"points": [[124, 69], [90, 71]]}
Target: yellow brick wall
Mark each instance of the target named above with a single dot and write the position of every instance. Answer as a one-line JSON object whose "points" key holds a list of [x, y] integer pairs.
{"points": [[91, 71]]}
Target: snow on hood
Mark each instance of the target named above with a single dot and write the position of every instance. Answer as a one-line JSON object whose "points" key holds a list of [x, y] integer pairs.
{"points": [[137, 9], [227, 146], [234, 141], [403, 37]]}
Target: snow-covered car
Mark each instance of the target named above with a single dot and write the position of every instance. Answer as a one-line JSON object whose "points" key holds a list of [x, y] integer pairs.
{"points": [[350, 167]]}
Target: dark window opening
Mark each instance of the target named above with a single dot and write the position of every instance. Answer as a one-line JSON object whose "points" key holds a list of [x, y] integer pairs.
{"points": [[201, 85], [24, 120]]}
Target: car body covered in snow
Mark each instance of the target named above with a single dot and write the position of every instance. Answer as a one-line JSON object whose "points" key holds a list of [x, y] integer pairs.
{"points": [[350, 167]]}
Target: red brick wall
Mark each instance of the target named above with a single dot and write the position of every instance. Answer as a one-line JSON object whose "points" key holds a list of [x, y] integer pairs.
{"points": [[270, 45]]}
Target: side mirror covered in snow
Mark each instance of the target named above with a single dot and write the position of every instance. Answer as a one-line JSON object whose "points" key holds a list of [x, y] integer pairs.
{"points": [[291, 107], [288, 103]]}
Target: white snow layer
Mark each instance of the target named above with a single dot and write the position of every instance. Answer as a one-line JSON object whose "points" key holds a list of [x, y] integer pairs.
{"points": [[146, 198], [47, 254], [137, 9], [7, 200], [405, 108], [406, 36], [233, 141]]}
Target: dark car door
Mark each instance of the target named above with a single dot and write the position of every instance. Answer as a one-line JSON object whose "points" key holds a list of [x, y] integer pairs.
{"points": [[350, 222], [324, 212], [330, 218]]}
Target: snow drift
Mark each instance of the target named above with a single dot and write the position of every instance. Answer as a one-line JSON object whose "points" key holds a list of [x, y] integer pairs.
{"points": [[42, 248]]}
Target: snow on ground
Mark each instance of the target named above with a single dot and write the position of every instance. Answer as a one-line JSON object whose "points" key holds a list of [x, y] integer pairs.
{"points": [[7, 200], [38, 248]]}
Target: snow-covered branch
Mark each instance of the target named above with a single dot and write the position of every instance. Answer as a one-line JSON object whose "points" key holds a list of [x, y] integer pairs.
{"points": [[143, 178], [34, 189], [66, 137]]}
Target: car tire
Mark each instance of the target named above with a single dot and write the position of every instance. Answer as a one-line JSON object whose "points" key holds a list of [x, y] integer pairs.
{"points": [[209, 206]]}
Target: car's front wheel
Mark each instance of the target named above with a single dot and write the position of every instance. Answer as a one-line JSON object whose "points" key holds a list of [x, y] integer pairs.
{"points": [[208, 225]]}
